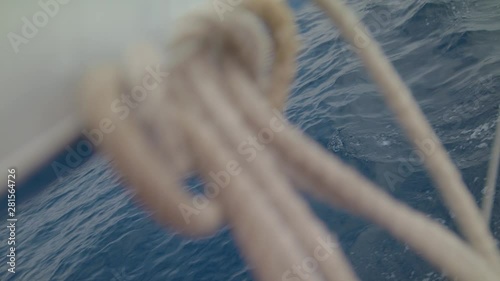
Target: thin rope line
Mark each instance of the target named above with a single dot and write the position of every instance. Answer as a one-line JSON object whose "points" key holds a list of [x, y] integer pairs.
{"points": [[491, 179], [408, 113], [212, 114]]}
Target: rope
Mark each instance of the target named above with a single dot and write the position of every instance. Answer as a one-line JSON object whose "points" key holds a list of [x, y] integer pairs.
{"points": [[221, 100], [400, 100], [491, 178]]}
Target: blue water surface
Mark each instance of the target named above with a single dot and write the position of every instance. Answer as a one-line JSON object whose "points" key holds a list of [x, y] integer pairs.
{"points": [[86, 225]]}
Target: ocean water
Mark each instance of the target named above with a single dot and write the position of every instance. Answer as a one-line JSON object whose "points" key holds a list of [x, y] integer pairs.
{"points": [[85, 226]]}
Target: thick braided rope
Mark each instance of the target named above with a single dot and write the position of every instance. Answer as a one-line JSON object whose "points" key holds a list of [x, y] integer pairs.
{"points": [[291, 208], [491, 178], [279, 19], [100, 91], [255, 205]]}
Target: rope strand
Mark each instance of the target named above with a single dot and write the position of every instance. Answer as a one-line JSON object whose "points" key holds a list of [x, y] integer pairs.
{"points": [[491, 178]]}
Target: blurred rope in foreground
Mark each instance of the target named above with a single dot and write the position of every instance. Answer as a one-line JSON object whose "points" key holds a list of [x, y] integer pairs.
{"points": [[220, 95]]}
